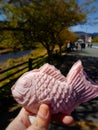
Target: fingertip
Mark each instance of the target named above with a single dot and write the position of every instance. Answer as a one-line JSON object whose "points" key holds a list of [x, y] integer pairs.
{"points": [[68, 120], [44, 112], [43, 117]]}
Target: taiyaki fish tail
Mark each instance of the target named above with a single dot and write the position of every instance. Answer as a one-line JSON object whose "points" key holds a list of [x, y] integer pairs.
{"points": [[83, 88]]}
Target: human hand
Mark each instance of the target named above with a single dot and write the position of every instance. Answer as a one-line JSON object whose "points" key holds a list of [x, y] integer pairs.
{"points": [[42, 120]]}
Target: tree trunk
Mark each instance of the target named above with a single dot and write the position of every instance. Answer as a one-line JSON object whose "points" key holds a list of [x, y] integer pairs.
{"points": [[60, 50], [50, 55]]}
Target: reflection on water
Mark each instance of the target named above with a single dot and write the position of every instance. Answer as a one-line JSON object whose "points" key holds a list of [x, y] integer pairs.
{"points": [[13, 55]]}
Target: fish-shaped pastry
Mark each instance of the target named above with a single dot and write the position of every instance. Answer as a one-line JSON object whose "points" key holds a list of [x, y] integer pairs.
{"points": [[47, 85]]}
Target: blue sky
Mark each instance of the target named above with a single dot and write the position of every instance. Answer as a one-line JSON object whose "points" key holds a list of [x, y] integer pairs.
{"points": [[93, 26], [2, 17], [89, 28], [86, 28]]}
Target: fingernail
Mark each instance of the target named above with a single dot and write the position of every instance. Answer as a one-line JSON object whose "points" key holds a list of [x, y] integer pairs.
{"points": [[43, 111]]}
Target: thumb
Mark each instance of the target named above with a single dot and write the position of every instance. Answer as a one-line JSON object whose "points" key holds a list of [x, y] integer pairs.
{"points": [[42, 120]]}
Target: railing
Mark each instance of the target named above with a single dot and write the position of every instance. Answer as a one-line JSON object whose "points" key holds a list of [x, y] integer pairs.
{"points": [[8, 76]]}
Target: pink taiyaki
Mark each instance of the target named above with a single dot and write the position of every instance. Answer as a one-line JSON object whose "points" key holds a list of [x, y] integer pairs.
{"points": [[47, 85]]}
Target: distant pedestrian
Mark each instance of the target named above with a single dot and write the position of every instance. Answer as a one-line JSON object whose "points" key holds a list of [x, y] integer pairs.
{"points": [[90, 45], [76, 45], [68, 46], [72, 46], [82, 45]]}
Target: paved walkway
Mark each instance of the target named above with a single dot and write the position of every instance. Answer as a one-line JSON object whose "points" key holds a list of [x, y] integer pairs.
{"points": [[93, 52]]}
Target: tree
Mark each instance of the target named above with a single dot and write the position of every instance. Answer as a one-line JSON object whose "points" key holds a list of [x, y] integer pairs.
{"points": [[95, 39], [43, 21], [66, 35]]}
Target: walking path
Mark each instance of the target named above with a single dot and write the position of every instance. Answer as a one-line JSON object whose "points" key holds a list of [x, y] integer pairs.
{"points": [[93, 52]]}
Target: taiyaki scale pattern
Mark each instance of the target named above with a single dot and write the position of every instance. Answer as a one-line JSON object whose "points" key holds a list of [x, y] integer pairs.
{"points": [[47, 85]]}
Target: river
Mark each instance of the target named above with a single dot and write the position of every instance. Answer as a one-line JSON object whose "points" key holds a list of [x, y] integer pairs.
{"points": [[13, 55]]}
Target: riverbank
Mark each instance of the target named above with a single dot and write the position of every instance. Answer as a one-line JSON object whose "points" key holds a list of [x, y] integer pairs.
{"points": [[4, 51], [9, 59]]}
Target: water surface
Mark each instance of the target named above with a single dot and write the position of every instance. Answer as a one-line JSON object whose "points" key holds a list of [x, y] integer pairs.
{"points": [[13, 55]]}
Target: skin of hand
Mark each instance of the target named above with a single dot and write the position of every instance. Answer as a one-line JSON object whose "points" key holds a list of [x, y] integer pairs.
{"points": [[41, 122]]}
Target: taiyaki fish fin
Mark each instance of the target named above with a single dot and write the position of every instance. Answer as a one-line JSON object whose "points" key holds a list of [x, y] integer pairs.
{"points": [[83, 89], [75, 69], [52, 71]]}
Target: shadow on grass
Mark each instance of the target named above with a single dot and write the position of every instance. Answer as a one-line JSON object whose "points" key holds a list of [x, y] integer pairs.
{"points": [[86, 113], [8, 107]]}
